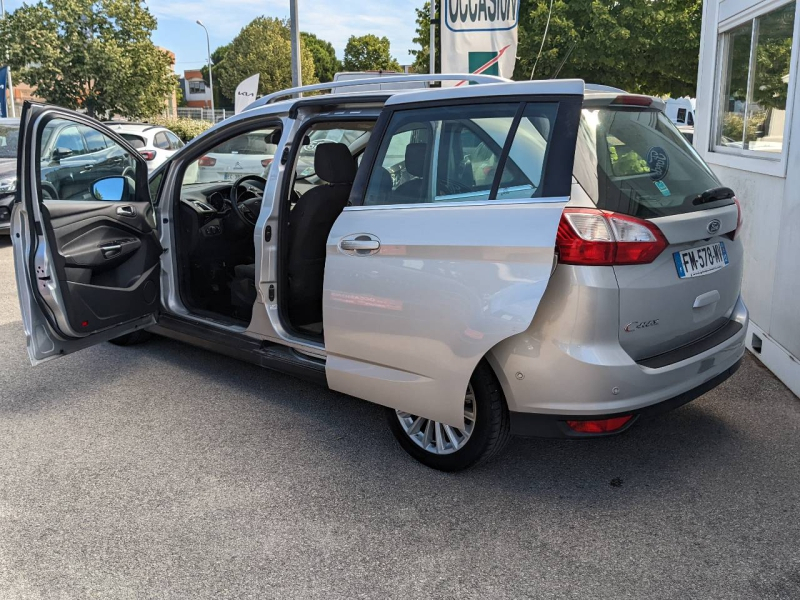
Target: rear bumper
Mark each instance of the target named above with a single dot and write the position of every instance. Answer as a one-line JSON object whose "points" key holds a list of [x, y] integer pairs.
{"points": [[555, 426], [569, 362]]}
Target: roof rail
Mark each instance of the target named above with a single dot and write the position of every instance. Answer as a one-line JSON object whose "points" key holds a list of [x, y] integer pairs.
{"points": [[596, 87], [331, 85]]}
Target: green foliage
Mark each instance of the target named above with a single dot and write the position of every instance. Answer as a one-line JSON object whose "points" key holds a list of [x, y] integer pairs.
{"points": [[186, 129], [422, 58], [220, 98], [264, 47], [326, 65], [648, 46], [369, 53], [628, 163], [91, 54]]}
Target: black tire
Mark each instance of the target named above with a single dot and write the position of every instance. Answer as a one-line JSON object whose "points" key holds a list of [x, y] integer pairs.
{"points": [[132, 338], [490, 435]]}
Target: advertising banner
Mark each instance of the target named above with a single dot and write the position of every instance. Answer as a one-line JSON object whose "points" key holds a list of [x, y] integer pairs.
{"points": [[479, 36], [3, 86], [246, 93]]}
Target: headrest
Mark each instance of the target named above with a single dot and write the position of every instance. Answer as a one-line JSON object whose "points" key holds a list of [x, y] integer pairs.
{"points": [[334, 163], [415, 159]]}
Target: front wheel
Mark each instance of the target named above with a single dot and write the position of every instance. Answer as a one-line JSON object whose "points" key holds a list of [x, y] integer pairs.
{"points": [[439, 446]]}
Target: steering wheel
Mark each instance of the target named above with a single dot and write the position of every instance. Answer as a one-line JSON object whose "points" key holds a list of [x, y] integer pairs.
{"points": [[247, 209]]}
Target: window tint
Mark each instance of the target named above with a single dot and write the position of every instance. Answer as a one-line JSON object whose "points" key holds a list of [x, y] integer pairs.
{"points": [[440, 154], [68, 172], [637, 163], [690, 120], [453, 154], [681, 115], [161, 140], [134, 140]]}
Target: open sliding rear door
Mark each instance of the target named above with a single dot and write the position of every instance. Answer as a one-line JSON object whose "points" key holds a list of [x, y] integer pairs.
{"points": [[449, 243], [86, 251]]}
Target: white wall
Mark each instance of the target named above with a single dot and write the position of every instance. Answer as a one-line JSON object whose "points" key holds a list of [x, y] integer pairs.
{"points": [[770, 197]]}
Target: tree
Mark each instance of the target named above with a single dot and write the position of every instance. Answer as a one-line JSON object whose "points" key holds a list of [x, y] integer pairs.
{"points": [[217, 56], [90, 54], [369, 53], [263, 46], [422, 58], [326, 65], [648, 46]]}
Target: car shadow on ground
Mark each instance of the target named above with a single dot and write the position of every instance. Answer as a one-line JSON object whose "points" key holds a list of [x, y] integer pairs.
{"points": [[657, 453]]}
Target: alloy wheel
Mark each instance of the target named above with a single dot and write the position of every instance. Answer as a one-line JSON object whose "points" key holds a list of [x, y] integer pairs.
{"points": [[438, 438]]}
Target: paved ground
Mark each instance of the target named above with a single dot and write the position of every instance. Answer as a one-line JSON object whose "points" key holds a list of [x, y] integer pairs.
{"points": [[163, 471]]}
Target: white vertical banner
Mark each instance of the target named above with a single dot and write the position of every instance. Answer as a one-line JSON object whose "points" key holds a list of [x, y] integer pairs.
{"points": [[246, 93], [479, 36]]}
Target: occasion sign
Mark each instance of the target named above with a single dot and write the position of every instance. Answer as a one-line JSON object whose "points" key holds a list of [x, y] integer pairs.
{"points": [[479, 36]]}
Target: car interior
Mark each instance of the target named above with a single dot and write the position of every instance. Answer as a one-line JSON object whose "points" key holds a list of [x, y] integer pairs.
{"points": [[219, 208]]}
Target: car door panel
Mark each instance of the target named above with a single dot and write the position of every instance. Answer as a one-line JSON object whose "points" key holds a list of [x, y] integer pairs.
{"points": [[407, 323], [87, 269]]}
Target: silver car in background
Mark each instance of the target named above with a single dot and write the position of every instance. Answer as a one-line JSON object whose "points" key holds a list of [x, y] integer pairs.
{"points": [[534, 258]]}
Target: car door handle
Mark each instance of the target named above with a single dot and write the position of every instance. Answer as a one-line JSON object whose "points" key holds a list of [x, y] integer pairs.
{"points": [[126, 211], [111, 250], [360, 244]]}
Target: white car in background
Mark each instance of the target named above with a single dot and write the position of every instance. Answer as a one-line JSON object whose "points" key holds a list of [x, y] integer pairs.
{"points": [[242, 155], [155, 143]]}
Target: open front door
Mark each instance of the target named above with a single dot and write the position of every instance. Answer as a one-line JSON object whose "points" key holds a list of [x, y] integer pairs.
{"points": [[86, 251], [449, 243]]}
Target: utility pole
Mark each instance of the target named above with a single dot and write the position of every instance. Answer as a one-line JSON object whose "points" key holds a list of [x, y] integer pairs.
{"points": [[210, 76], [432, 44], [297, 75], [8, 72]]}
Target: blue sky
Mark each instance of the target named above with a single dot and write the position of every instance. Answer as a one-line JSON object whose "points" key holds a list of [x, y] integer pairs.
{"points": [[332, 20]]}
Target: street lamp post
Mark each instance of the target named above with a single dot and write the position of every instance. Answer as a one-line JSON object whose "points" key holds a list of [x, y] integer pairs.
{"points": [[294, 34], [210, 76]]}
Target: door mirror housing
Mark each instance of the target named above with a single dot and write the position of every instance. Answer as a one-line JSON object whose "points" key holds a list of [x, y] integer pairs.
{"points": [[110, 189], [60, 153]]}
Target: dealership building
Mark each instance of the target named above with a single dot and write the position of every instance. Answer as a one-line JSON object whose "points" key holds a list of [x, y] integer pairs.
{"points": [[748, 113]]}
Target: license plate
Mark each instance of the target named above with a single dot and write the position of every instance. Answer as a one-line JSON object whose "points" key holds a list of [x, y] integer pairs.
{"points": [[701, 261]]}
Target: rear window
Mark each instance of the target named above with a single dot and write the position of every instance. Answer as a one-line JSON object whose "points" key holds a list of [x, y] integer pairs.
{"points": [[135, 141], [635, 162]]}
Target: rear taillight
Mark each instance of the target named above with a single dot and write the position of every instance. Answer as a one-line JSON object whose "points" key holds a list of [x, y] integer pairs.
{"points": [[588, 236], [266, 162], [207, 161], [600, 425], [739, 218], [148, 154], [632, 100]]}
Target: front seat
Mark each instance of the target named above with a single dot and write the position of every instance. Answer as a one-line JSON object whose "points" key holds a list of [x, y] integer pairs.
{"points": [[414, 190], [310, 223]]}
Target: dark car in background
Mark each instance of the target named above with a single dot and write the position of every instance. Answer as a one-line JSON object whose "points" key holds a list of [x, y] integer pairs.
{"points": [[9, 133]]}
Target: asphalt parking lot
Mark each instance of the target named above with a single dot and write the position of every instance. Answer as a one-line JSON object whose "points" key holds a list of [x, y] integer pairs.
{"points": [[165, 471]]}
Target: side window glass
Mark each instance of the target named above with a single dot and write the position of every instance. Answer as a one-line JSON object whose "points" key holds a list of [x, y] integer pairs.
{"points": [[523, 172], [446, 154], [174, 142], [681, 115], [69, 139], [690, 120], [161, 141], [95, 141], [67, 171]]}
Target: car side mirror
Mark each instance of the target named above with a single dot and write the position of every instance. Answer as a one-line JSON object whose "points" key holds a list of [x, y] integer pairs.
{"points": [[109, 189], [60, 153]]}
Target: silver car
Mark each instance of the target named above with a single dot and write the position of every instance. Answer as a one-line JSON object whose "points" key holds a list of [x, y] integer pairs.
{"points": [[509, 258]]}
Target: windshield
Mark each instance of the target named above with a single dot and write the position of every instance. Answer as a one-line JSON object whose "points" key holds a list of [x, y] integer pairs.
{"points": [[635, 162], [9, 134]]}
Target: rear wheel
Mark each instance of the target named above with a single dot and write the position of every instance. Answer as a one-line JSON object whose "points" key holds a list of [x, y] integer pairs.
{"points": [[132, 338], [439, 446]]}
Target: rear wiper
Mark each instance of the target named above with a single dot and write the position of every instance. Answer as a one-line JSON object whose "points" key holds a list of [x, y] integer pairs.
{"points": [[718, 193]]}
